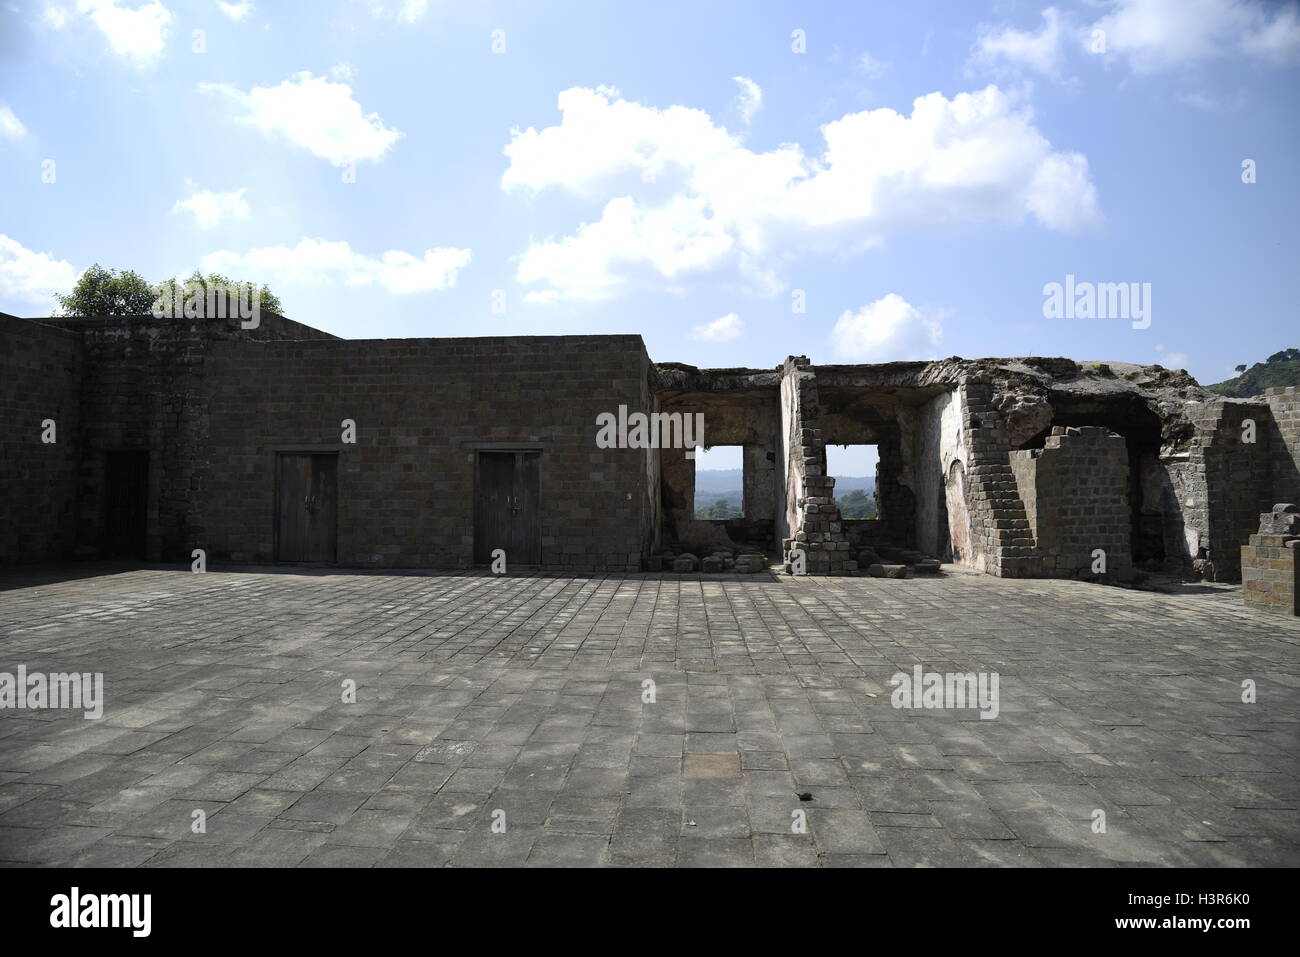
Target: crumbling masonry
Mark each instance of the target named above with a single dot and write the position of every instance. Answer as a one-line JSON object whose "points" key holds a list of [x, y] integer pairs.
{"points": [[171, 436]]}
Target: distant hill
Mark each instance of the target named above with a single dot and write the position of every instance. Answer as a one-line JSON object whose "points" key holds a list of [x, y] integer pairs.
{"points": [[1281, 368], [726, 482], [718, 493]]}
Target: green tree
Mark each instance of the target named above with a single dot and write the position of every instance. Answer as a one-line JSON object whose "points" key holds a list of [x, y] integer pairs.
{"points": [[108, 292], [111, 292], [198, 283], [856, 504]]}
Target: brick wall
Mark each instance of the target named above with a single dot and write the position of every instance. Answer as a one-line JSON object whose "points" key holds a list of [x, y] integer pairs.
{"points": [[1270, 574], [406, 488], [1075, 495], [40, 378], [1284, 442]]}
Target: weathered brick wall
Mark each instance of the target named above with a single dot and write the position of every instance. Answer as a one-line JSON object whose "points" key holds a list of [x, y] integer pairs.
{"points": [[1284, 442], [1270, 574], [1227, 485], [40, 378], [406, 488], [1075, 495], [142, 389], [1000, 540], [812, 515]]}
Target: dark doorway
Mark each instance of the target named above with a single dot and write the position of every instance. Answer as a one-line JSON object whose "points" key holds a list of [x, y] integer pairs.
{"points": [[507, 512], [126, 504], [307, 507]]}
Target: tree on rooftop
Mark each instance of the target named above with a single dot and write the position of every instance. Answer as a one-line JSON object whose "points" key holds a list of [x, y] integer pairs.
{"points": [[108, 292], [112, 292], [198, 283]]}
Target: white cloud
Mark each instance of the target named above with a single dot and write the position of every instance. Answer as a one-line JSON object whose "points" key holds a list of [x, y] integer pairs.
{"points": [[321, 261], [975, 157], [1156, 35], [1041, 51], [412, 10], [725, 329], [138, 33], [750, 99], [239, 12], [886, 330], [31, 276], [209, 208], [313, 113], [403, 11], [10, 126], [871, 67]]}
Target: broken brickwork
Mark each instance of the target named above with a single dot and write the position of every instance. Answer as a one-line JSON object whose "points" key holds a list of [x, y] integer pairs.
{"points": [[1013, 467], [1270, 573]]}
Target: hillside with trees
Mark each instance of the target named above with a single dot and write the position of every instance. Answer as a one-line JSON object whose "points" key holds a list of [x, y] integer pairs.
{"points": [[1279, 369]]}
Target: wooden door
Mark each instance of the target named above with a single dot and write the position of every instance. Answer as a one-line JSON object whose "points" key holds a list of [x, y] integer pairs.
{"points": [[507, 507], [126, 504], [307, 507]]}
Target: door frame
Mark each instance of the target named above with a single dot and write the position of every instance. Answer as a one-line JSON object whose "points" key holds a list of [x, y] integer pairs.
{"points": [[276, 452], [477, 447]]}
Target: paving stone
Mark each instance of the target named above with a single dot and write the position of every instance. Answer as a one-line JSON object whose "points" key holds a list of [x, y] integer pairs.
{"points": [[764, 689]]}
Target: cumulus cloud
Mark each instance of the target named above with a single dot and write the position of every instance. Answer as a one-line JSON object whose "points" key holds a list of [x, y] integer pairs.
{"points": [[10, 126], [316, 114], [138, 33], [211, 209], [1155, 35], [239, 12], [750, 99], [32, 276], [886, 330], [720, 330], [681, 194], [1041, 51], [322, 261]]}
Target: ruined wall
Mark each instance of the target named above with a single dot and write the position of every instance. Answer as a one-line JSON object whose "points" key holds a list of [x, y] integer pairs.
{"points": [[40, 378], [745, 418], [1221, 486], [1284, 442], [941, 512], [1075, 496], [421, 406], [1000, 540], [811, 514]]}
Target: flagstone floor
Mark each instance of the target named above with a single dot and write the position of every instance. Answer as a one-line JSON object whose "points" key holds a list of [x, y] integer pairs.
{"points": [[654, 720]]}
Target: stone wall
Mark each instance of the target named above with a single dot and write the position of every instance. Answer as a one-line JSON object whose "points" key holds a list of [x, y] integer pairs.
{"points": [[1284, 441], [1075, 496], [1000, 540], [422, 407], [1228, 482], [40, 378]]}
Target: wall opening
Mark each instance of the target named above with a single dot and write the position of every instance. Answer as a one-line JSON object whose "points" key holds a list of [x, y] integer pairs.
{"points": [[720, 483], [854, 469]]}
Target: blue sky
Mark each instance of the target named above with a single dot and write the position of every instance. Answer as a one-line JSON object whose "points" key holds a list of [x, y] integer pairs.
{"points": [[915, 176]]}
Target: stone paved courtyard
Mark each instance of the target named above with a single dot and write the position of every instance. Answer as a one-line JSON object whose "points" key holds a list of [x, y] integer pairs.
{"points": [[524, 695]]}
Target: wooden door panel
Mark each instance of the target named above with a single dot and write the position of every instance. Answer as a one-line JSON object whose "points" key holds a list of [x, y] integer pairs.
{"points": [[494, 488], [526, 537], [307, 508]]}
